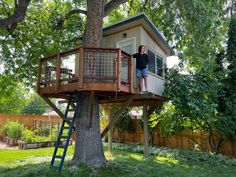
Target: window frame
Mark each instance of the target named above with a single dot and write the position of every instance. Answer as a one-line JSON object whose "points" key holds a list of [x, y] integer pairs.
{"points": [[157, 55]]}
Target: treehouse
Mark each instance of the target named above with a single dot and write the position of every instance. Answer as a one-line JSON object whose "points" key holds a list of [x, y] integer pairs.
{"points": [[108, 72]]}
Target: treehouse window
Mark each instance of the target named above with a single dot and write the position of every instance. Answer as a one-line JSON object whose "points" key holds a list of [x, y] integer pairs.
{"points": [[155, 63]]}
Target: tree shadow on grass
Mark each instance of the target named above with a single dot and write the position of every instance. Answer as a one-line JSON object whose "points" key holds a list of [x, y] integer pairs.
{"points": [[127, 166]]}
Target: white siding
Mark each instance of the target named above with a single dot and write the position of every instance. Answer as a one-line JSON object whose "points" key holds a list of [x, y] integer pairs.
{"points": [[111, 40], [155, 83]]}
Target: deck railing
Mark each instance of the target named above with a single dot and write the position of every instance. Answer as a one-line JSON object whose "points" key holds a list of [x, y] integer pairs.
{"points": [[86, 69]]}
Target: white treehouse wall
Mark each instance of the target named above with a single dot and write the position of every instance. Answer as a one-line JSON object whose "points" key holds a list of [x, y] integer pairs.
{"points": [[155, 82], [113, 41]]}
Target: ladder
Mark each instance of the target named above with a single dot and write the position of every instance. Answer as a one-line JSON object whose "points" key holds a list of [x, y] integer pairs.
{"points": [[67, 126]]}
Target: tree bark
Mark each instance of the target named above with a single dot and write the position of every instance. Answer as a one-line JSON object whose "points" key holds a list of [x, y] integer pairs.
{"points": [[18, 16], [88, 145]]}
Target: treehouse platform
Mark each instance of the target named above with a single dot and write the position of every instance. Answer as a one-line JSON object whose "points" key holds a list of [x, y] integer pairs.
{"points": [[107, 72]]}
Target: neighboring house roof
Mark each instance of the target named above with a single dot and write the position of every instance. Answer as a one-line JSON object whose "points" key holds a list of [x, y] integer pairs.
{"points": [[50, 113], [138, 19]]}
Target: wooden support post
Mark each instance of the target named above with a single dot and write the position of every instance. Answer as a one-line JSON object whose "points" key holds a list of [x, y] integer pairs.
{"points": [[81, 68], [109, 113], [58, 71], [117, 116], [118, 70], [39, 75], [146, 134], [131, 85]]}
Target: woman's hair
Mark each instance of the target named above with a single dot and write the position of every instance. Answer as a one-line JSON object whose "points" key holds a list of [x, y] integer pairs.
{"points": [[140, 48]]}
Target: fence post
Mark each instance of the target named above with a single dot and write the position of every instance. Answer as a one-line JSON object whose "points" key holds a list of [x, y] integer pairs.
{"points": [[146, 134]]}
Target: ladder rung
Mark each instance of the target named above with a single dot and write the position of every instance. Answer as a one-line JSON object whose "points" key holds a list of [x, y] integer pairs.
{"points": [[69, 118], [58, 156], [64, 137], [68, 123], [61, 146]]}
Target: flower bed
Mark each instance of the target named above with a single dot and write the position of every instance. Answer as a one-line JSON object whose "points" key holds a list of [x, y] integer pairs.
{"points": [[16, 134], [11, 141], [34, 145]]}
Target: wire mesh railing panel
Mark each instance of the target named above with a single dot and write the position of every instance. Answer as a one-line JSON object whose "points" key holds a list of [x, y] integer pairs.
{"points": [[86, 65], [100, 65], [48, 74]]}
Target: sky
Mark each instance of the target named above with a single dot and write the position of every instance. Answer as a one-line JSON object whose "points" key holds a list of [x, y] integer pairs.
{"points": [[171, 61]]}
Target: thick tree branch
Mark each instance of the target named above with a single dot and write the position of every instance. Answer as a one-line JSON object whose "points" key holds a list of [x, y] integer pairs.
{"points": [[60, 22], [76, 11], [18, 16], [112, 5]]}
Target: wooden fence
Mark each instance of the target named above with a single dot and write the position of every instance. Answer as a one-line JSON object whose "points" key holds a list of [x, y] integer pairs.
{"points": [[187, 140], [28, 120], [31, 121]]}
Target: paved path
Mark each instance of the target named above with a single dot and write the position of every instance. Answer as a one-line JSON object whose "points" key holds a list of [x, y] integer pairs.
{"points": [[5, 146]]}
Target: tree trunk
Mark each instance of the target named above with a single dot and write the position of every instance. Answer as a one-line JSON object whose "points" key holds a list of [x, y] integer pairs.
{"points": [[88, 145]]}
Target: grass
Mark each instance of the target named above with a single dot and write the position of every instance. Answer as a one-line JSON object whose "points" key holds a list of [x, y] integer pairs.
{"points": [[32, 163]]}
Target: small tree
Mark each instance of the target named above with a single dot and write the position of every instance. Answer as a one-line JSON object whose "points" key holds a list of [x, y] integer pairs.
{"points": [[36, 105]]}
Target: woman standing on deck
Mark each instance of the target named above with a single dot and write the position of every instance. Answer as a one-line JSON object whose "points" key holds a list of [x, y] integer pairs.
{"points": [[142, 68]]}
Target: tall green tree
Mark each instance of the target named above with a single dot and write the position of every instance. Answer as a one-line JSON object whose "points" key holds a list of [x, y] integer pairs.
{"points": [[227, 99], [203, 99], [56, 15], [46, 28], [13, 96]]}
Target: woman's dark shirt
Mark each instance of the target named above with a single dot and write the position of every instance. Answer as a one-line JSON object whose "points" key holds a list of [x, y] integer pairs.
{"points": [[141, 60]]}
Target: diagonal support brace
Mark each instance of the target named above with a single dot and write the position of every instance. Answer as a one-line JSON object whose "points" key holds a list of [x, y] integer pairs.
{"points": [[117, 116], [52, 105]]}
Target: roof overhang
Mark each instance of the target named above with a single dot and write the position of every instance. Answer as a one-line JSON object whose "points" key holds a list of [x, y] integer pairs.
{"points": [[146, 23]]}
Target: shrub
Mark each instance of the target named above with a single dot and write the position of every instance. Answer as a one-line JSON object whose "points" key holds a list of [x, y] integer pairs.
{"points": [[28, 136], [13, 130], [179, 154], [43, 131]]}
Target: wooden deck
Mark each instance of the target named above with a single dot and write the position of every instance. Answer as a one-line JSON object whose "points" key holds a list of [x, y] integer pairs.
{"points": [[108, 72], [86, 69]]}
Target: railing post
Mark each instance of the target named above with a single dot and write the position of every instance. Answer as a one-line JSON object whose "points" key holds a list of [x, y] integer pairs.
{"points": [[39, 75], [58, 73], [81, 67], [118, 70], [131, 85]]}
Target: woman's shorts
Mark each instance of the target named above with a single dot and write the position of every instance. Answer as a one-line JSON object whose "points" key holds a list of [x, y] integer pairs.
{"points": [[142, 72]]}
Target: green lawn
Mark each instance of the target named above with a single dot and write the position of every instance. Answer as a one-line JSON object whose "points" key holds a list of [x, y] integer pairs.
{"points": [[172, 163]]}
